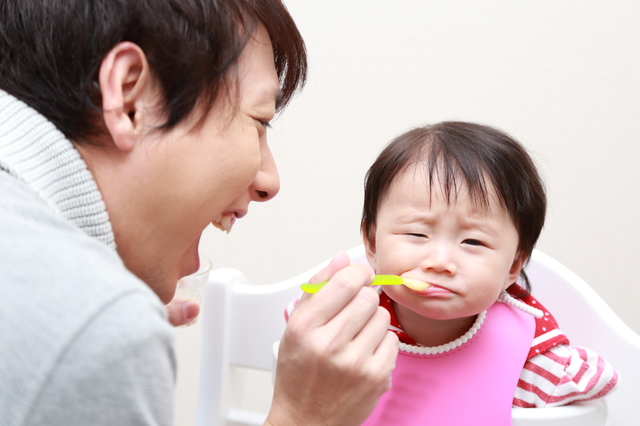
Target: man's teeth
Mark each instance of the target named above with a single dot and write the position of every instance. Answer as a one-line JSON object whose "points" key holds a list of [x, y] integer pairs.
{"points": [[224, 223]]}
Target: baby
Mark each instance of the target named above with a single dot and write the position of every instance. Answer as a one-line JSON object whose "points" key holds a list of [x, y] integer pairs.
{"points": [[460, 206]]}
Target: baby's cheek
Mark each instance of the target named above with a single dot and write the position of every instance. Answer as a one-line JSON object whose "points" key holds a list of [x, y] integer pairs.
{"points": [[487, 299], [396, 293]]}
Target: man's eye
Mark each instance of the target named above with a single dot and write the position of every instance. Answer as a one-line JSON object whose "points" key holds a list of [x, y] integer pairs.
{"points": [[472, 242], [264, 124]]}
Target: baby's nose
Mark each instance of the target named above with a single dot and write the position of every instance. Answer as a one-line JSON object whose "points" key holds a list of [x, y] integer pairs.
{"points": [[440, 259]]}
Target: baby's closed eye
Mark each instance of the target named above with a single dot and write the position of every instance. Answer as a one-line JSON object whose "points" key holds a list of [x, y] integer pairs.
{"points": [[473, 242]]}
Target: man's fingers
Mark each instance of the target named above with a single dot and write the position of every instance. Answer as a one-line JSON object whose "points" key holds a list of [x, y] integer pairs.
{"points": [[359, 314], [339, 337], [182, 311], [340, 260], [339, 292], [373, 331], [385, 356], [377, 350]]}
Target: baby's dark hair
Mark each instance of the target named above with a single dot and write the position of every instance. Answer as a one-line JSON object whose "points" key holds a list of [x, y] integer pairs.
{"points": [[460, 154], [51, 52]]}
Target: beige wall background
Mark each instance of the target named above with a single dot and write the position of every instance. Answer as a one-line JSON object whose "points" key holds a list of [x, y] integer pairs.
{"points": [[561, 77]]}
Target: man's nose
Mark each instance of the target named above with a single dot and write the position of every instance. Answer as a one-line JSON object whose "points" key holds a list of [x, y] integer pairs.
{"points": [[267, 182]]}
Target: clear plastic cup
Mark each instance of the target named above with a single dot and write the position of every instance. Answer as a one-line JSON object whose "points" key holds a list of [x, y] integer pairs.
{"points": [[192, 286]]}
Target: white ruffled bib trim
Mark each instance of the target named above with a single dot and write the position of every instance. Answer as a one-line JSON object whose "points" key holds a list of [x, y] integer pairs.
{"points": [[447, 347]]}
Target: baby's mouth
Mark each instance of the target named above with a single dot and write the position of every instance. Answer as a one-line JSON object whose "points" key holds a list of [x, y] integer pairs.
{"points": [[225, 222]]}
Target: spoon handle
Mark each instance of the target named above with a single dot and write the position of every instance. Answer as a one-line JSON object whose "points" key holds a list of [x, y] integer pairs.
{"points": [[377, 280]]}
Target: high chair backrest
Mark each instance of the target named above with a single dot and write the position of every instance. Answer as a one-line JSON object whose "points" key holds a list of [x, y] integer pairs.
{"points": [[589, 322], [241, 322]]}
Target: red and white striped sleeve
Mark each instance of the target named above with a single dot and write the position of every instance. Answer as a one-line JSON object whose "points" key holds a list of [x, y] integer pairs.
{"points": [[555, 373], [563, 375]]}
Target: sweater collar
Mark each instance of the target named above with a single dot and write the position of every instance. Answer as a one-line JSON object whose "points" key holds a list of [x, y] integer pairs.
{"points": [[35, 151]]}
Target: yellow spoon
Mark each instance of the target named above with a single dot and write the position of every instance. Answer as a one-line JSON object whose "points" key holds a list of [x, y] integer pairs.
{"points": [[412, 283]]}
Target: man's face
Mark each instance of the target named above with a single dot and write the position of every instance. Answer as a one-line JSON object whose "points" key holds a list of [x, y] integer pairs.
{"points": [[195, 176]]}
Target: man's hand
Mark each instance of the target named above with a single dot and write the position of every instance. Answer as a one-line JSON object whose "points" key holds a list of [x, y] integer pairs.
{"points": [[182, 311], [336, 355]]}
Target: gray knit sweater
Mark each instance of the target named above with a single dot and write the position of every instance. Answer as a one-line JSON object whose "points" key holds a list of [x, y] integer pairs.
{"points": [[82, 340]]}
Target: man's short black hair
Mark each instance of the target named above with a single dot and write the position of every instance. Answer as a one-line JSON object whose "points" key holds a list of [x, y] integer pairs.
{"points": [[51, 52]]}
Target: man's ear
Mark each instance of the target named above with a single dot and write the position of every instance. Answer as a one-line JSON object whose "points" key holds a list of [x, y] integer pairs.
{"points": [[369, 248], [516, 268], [123, 78]]}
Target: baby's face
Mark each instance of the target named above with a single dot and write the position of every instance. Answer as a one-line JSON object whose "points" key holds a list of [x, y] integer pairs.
{"points": [[467, 254]]}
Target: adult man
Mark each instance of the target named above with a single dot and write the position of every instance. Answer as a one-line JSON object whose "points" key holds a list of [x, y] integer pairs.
{"points": [[125, 128]]}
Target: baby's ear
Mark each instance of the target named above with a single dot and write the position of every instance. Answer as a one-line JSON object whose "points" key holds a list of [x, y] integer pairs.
{"points": [[516, 268], [370, 248]]}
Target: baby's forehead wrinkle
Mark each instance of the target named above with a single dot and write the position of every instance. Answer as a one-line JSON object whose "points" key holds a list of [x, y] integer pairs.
{"points": [[443, 173]]}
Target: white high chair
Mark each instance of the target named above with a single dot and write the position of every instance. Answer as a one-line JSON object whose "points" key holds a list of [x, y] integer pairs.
{"points": [[241, 323]]}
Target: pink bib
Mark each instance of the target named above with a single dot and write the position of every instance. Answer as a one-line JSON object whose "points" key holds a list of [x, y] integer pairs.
{"points": [[471, 385]]}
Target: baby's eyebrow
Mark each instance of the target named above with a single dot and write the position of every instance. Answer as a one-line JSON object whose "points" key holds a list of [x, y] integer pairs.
{"points": [[415, 217], [481, 225]]}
